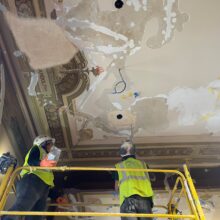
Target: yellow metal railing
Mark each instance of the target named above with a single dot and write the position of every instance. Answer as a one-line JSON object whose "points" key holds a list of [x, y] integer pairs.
{"points": [[187, 189], [194, 193], [5, 181]]}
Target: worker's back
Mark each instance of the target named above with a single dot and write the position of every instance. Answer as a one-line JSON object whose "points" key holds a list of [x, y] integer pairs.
{"points": [[133, 182]]}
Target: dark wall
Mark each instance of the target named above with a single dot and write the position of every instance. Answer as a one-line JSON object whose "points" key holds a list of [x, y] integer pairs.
{"points": [[101, 180]]}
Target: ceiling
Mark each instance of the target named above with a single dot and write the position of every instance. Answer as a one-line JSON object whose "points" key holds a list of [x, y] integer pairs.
{"points": [[159, 85]]}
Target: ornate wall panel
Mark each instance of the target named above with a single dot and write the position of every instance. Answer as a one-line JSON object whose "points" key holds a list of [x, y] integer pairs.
{"points": [[56, 91], [5, 3], [25, 8]]}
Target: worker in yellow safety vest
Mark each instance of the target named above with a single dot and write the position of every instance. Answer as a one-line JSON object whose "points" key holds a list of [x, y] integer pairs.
{"points": [[33, 188], [135, 192]]}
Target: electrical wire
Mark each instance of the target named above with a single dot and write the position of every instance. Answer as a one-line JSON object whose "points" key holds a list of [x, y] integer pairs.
{"points": [[121, 82]]}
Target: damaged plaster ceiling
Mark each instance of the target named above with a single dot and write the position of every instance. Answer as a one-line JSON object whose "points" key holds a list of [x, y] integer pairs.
{"points": [[161, 70], [161, 85], [27, 33]]}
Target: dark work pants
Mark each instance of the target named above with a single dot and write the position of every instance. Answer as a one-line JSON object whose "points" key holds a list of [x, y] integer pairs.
{"points": [[31, 195], [136, 204]]}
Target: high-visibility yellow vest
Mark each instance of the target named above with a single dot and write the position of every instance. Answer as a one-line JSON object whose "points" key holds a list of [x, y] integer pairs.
{"points": [[45, 175], [131, 182]]}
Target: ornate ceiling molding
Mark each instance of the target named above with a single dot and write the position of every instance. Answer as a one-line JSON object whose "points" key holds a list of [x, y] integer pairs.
{"points": [[161, 155], [57, 88], [25, 8]]}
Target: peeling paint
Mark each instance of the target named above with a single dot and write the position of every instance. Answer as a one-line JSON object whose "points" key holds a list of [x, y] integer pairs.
{"points": [[214, 85], [213, 124], [117, 105], [191, 104], [88, 94], [138, 4], [107, 32], [73, 22], [134, 50], [116, 38], [110, 49], [169, 19]]}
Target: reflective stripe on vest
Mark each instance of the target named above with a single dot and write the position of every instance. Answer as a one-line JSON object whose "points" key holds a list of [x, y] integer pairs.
{"points": [[45, 175], [133, 182], [125, 177]]}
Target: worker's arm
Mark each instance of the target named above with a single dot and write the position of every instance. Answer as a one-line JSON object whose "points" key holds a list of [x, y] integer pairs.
{"points": [[34, 157]]}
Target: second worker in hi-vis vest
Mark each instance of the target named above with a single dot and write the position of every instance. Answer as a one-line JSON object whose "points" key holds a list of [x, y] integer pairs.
{"points": [[135, 191], [33, 187]]}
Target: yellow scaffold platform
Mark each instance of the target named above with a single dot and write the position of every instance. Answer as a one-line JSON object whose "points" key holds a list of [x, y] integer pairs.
{"points": [[183, 186]]}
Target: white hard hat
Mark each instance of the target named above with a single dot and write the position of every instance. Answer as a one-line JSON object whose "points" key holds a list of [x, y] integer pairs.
{"points": [[127, 148], [39, 140]]}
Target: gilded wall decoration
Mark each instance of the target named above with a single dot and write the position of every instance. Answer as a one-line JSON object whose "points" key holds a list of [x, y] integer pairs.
{"points": [[25, 8], [55, 91], [5, 3]]}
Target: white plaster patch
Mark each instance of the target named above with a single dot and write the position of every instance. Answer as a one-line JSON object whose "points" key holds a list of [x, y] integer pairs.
{"points": [[117, 105], [92, 88], [134, 50], [132, 24], [145, 4], [81, 43], [168, 19], [125, 132], [162, 96], [73, 22], [115, 56], [191, 104], [213, 124], [215, 84], [110, 49], [98, 81], [137, 4], [33, 84]]}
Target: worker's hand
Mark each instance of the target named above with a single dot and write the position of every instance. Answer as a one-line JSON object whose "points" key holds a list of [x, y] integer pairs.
{"points": [[48, 163], [62, 200]]}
